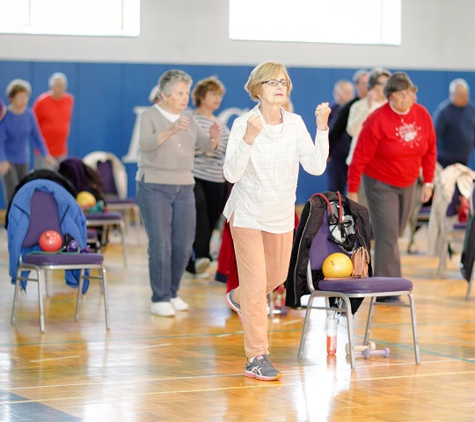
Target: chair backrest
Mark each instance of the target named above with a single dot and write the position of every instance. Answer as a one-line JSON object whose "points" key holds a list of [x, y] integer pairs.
{"points": [[104, 168], [83, 177], [111, 169], [43, 216], [321, 247]]}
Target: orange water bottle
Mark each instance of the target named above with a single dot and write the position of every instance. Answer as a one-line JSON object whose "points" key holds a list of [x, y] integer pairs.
{"points": [[331, 333]]}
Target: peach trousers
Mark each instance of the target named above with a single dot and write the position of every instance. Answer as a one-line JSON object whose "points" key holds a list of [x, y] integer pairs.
{"points": [[263, 262]]}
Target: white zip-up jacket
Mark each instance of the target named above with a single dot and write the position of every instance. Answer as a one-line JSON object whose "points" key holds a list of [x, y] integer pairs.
{"points": [[265, 174]]}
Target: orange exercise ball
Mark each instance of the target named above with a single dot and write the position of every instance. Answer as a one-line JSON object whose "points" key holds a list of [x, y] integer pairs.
{"points": [[337, 265], [50, 241], [86, 200]]}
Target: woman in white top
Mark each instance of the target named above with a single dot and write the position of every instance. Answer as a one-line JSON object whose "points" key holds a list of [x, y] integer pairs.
{"points": [[265, 148]]}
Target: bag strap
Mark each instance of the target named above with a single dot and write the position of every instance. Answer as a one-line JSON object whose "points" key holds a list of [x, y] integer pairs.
{"points": [[340, 206]]}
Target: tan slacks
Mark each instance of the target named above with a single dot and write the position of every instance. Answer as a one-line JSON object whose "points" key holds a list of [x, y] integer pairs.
{"points": [[263, 262]]}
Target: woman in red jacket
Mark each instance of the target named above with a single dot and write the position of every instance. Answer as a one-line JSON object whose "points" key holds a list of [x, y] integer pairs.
{"points": [[396, 141]]}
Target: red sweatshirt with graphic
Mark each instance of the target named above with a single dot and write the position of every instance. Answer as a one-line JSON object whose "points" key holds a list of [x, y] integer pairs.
{"points": [[392, 148]]}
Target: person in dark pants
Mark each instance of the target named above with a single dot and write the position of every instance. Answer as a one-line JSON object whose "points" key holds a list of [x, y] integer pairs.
{"points": [[343, 92], [210, 187], [454, 121], [339, 139], [168, 138], [397, 140]]}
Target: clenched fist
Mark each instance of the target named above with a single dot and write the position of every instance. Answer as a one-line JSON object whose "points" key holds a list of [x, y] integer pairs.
{"points": [[322, 112], [254, 127]]}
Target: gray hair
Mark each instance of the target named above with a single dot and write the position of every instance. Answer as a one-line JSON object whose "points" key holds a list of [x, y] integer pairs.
{"points": [[57, 76], [358, 74], [17, 85], [375, 75], [170, 78], [458, 82], [340, 83]]}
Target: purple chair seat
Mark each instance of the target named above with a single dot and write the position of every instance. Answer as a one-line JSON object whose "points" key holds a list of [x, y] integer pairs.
{"points": [[365, 285], [63, 259], [104, 216]]}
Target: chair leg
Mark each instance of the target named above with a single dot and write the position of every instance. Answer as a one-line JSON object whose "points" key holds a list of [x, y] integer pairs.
{"points": [[106, 297], [305, 326], [369, 321], [78, 297], [15, 297], [349, 320], [414, 330], [124, 250], [41, 278]]}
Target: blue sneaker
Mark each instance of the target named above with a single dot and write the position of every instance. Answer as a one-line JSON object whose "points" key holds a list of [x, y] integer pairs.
{"points": [[233, 305], [261, 368]]}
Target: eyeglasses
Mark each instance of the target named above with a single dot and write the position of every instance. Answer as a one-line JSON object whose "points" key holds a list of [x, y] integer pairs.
{"points": [[275, 82]]}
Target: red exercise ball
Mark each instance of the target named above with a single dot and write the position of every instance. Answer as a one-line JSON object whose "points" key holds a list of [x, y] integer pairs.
{"points": [[51, 241]]}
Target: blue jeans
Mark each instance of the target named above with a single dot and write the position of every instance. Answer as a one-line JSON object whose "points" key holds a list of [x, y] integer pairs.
{"points": [[169, 217]]}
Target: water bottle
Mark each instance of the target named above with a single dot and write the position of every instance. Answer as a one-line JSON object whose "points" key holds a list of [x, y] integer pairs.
{"points": [[331, 333]]}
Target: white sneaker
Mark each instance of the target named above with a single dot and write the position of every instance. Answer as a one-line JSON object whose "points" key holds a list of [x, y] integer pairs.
{"points": [[201, 264], [179, 304], [162, 309]]}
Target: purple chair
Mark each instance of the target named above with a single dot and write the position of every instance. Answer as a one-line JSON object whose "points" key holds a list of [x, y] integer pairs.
{"points": [[114, 178], [352, 288], [106, 220], [44, 216]]}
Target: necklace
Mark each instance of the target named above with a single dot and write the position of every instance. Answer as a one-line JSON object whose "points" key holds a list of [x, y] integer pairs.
{"points": [[401, 115]]}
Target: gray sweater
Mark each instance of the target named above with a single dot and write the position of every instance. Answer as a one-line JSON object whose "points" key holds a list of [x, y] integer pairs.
{"points": [[172, 162]]}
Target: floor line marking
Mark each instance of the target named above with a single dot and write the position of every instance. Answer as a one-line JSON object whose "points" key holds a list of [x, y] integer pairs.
{"points": [[153, 345], [63, 357]]}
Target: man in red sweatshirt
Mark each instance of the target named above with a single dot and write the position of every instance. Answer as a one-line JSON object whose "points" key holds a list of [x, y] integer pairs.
{"points": [[53, 109]]}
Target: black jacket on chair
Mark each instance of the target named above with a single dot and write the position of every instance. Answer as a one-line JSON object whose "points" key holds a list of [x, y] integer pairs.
{"points": [[310, 222]]}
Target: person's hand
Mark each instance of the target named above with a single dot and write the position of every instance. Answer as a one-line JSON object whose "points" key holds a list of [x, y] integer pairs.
{"points": [[253, 129], [322, 112], [426, 192], [371, 97], [215, 131], [51, 161], [353, 196], [5, 167], [181, 124]]}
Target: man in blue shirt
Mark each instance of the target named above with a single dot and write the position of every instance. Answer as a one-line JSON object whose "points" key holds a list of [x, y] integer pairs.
{"points": [[454, 121]]}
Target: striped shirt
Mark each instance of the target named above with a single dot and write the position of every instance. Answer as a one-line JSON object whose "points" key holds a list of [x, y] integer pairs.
{"points": [[265, 174], [209, 165]]}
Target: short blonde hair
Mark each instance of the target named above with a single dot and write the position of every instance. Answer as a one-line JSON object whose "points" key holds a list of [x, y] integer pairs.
{"points": [[263, 72], [16, 86]]}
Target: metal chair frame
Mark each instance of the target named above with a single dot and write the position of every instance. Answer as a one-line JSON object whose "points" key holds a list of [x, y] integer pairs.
{"points": [[40, 278], [105, 224], [347, 310]]}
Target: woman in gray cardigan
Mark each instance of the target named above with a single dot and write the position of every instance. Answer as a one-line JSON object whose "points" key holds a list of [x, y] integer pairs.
{"points": [[168, 136]]}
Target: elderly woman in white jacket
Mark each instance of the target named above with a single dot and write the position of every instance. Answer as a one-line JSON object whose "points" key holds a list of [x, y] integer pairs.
{"points": [[264, 150]]}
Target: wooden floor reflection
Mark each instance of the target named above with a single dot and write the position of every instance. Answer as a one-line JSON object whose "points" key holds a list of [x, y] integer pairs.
{"points": [[190, 368]]}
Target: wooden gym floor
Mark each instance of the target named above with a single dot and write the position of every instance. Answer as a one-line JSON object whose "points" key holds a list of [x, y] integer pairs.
{"points": [[190, 368]]}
